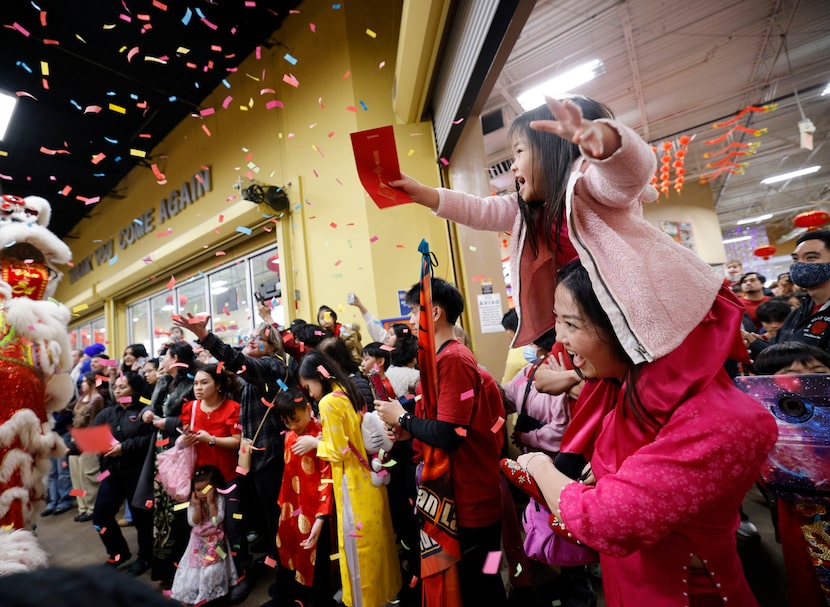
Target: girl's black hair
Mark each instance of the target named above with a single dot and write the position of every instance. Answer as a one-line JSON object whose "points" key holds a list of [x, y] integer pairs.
{"points": [[406, 349], [139, 351], [226, 382], [154, 362], [401, 330], [211, 474], [574, 277], [325, 308], [310, 334], [552, 158], [337, 350], [288, 403], [313, 366], [183, 352]]}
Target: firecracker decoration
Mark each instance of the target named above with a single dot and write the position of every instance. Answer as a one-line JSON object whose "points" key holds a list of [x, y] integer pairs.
{"points": [[661, 180], [732, 158]]}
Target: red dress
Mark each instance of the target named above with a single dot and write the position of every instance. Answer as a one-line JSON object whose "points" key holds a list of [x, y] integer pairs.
{"points": [[304, 495], [220, 423]]}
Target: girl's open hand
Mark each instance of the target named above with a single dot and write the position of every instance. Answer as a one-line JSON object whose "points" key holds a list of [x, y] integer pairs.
{"points": [[595, 139]]}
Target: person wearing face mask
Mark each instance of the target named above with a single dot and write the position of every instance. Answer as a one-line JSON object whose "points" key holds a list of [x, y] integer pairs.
{"points": [[810, 270]]}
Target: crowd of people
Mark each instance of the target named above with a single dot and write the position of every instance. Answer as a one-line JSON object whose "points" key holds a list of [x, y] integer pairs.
{"points": [[618, 433]]}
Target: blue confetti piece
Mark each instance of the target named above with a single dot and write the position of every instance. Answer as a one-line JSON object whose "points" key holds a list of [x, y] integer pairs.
{"points": [[226, 83], [24, 66], [292, 60], [114, 141], [99, 174], [363, 105], [117, 159], [172, 98], [76, 104], [36, 7], [114, 259], [244, 230], [336, 7], [110, 93], [187, 16], [282, 385], [134, 96], [298, 206], [138, 221], [200, 13]]}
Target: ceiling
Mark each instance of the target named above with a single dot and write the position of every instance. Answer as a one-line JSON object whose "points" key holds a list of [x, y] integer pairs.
{"points": [[100, 82], [674, 67]]}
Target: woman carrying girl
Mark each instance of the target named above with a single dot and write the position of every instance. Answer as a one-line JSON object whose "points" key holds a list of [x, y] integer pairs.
{"points": [[85, 467], [679, 446], [206, 571], [534, 215], [366, 541]]}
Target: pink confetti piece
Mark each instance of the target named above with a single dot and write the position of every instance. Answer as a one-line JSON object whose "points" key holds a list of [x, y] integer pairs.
{"points": [[274, 103], [491, 563], [347, 74], [206, 130], [461, 431], [312, 27], [219, 367], [478, 278], [351, 108], [266, 402], [467, 395], [20, 29], [103, 475], [133, 52], [333, 225], [227, 101], [207, 111], [291, 79], [172, 282], [459, 121], [497, 426], [444, 161], [241, 470], [297, 512], [226, 490], [148, 504], [270, 562], [77, 493], [323, 371], [125, 400]]}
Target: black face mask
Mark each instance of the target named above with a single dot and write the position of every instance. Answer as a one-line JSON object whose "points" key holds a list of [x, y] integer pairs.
{"points": [[809, 275]]}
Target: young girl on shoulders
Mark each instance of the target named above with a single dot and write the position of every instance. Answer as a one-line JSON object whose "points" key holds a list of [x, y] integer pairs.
{"points": [[206, 570]]}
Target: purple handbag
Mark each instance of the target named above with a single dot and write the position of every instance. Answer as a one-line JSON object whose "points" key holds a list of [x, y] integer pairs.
{"points": [[542, 544]]}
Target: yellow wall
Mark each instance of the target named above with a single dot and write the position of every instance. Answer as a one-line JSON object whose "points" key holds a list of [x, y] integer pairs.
{"points": [[305, 144]]}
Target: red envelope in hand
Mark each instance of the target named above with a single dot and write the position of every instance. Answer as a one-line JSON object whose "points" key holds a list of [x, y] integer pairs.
{"points": [[376, 157], [94, 439]]}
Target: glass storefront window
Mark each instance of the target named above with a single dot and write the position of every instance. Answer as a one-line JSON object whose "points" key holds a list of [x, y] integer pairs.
{"points": [[93, 331], [265, 269], [161, 308], [99, 331], [230, 303], [192, 297], [138, 318]]}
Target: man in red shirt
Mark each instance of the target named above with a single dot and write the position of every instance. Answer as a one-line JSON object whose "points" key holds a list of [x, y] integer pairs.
{"points": [[467, 414], [752, 286]]}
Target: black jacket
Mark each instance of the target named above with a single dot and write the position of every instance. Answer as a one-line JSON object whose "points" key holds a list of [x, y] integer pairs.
{"points": [[133, 434], [802, 326]]}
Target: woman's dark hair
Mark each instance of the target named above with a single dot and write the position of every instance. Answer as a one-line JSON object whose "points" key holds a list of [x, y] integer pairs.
{"points": [[288, 403], [401, 330], [773, 310], [310, 335], [154, 362], [510, 320], [211, 474], [226, 382], [376, 350], [136, 382], [780, 356], [574, 277], [337, 350], [552, 158], [138, 350], [321, 368], [406, 349], [183, 352], [546, 340]]}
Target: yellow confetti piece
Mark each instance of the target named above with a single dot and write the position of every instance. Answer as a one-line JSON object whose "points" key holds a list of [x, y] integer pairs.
{"points": [[183, 506], [410, 153], [327, 481], [370, 33], [222, 554], [237, 516], [145, 401], [80, 308], [334, 557], [117, 108], [138, 153], [182, 50], [207, 489], [44, 68], [4, 153]]}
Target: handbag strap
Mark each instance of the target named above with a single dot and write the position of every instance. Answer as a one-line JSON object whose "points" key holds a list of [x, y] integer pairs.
{"points": [[529, 384], [264, 417]]}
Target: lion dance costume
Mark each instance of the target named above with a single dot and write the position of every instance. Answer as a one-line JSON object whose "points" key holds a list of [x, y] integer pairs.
{"points": [[34, 362]]}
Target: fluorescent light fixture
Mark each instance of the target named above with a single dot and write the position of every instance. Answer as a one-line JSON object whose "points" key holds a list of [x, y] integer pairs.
{"points": [[560, 85], [218, 283], [826, 90], [219, 290], [7, 103], [736, 239], [758, 219], [791, 175]]}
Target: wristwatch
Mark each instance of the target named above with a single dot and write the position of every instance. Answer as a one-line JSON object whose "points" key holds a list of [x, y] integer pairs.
{"points": [[405, 415], [212, 441]]}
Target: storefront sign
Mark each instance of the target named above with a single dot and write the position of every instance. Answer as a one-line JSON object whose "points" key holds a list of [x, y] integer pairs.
{"points": [[145, 223]]}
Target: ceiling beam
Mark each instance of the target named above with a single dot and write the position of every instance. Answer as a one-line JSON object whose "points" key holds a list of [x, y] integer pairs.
{"points": [[625, 18]]}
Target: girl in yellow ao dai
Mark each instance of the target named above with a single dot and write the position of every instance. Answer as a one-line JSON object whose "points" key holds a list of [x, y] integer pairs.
{"points": [[369, 568]]}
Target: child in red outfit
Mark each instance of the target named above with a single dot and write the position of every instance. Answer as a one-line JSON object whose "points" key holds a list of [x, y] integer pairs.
{"points": [[306, 502]]}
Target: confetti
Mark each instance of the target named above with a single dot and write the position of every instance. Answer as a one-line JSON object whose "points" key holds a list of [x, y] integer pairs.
{"points": [[226, 490], [103, 475], [370, 33], [244, 230], [241, 470], [77, 493], [461, 431], [491, 564], [290, 58], [497, 426], [291, 79], [467, 395], [238, 515], [182, 506]]}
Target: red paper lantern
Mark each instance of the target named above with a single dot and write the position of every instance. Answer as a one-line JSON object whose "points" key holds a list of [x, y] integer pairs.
{"points": [[811, 219], [765, 251], [273, 263]]}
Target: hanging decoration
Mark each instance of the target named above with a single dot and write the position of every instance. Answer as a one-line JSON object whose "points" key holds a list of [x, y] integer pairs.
{"points": [[273, 263], [811, 220], [729, 156], [765, 251], [661, 180]]}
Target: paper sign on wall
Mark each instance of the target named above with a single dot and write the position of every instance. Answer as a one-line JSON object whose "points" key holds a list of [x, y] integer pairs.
{"points": [[490, 313]]}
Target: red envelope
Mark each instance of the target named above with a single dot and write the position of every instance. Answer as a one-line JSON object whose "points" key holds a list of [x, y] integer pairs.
{"points": [[94, 439], [376, 157]]}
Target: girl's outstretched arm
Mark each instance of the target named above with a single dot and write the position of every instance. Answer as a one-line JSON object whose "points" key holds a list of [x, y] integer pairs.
{"points": [[595, 139], [420, 193]]}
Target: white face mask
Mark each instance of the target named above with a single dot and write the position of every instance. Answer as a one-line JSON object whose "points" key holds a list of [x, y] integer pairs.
{"points": [[530, 353]]}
